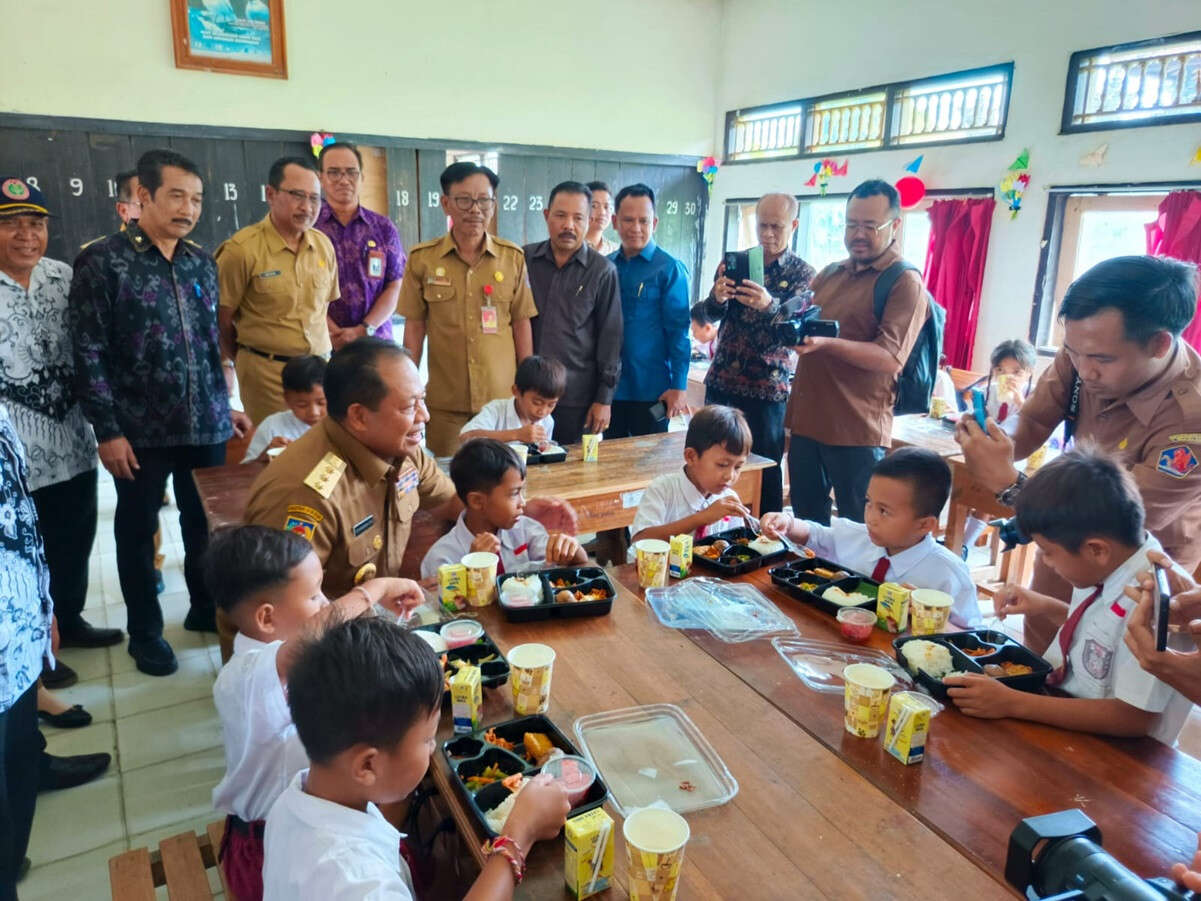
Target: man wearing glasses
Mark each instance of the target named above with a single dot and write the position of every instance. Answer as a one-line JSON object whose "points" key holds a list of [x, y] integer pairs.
{"points": [[840, 408], [468, 292], [371, 259], [278, 278]]}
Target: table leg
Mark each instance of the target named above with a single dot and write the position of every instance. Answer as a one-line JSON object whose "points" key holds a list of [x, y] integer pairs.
{"points": [[756, 490]]}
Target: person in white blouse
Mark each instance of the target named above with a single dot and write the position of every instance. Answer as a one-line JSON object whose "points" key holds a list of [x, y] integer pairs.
{"points": [[305, 397]]}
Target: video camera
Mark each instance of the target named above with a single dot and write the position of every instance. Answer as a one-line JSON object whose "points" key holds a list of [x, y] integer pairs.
{"points": [[1070, 864], [799, 319]]}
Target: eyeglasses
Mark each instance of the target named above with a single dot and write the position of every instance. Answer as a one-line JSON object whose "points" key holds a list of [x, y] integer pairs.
{"points": [[463, 203], [339, 174], [303, 197], [867, 227]]}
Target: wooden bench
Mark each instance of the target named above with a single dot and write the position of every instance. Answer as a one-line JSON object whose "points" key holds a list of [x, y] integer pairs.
{"points": [[180, 863]]}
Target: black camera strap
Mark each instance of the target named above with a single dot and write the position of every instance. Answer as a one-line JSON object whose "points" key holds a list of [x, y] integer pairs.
{"points": [[1073, 413]]}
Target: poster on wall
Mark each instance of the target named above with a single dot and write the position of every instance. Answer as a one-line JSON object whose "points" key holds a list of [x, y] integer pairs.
{"points": [[241, 37]]}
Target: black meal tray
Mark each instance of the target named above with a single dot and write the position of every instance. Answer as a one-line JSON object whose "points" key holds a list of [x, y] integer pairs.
{"points": [[583, 578], [790, 576], [467, 755], [1002, 648], [736, 560], [535, 456], [493, 674]]}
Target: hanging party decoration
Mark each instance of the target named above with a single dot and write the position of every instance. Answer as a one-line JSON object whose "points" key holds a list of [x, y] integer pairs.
{"points": [[1095, 159], [1015, 182], [320, 139], [1196, 160], [912, 189], [916, 164], [708, 170], [822, 173]]}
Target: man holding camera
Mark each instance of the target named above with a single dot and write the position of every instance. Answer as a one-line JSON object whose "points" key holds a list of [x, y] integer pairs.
{"points": [[840, 409], [751, 369]]}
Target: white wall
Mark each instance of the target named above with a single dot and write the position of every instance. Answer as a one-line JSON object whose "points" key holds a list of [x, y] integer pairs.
{"points": [[619, 75], [802, 50]]}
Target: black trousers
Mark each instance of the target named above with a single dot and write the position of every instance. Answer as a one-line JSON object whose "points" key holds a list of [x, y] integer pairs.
{"points": [[631, 418], [136, 520], [67, 521], [766, 419], [569, 424], [20, 751], [814, 468]]}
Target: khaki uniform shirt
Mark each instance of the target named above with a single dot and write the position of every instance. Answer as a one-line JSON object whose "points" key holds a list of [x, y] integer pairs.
{"points": [[355, 508], [833, 402], [279, 297], [1155, 433], [468, 367]]}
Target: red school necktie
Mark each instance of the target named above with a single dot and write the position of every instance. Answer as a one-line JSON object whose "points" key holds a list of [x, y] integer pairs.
{"points": [[1067, 633], [881, 569]]}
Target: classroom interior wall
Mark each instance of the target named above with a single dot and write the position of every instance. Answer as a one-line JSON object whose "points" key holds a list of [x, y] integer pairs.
{"points": [[796, 50], [620, 75]]}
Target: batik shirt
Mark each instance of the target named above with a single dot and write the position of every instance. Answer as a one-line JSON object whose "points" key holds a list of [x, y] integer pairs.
{"points": [[25, 607], [37, 374], [360, 284], [147, 358]]}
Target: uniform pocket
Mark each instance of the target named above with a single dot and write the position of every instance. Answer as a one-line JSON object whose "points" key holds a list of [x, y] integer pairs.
{"points": [[363, 548]]}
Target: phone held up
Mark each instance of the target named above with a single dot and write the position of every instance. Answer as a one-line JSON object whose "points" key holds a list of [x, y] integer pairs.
{"points": [[1162, 608]]}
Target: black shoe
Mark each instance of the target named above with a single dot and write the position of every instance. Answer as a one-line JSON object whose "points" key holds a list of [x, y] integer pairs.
{"points": [[201, 620], [159, 585], [75, 718], [62, 676], [68, 772], [24, 868], [153, 656], [85, 635]]}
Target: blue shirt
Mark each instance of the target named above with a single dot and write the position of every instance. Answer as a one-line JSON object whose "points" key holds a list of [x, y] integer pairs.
{"points": [[655, 310]]}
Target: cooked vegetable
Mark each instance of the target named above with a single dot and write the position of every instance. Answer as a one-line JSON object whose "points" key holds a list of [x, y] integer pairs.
{"points": [[493, 739], [491, 773], [537, 745]]}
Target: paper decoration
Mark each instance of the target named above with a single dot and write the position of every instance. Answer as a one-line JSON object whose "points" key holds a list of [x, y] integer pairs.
{"points": [[916, 164], [1095, 159], [823, 172], [1022, 161], [1015, 182], [912, 189], [1196, 160], [319, 139], [708, 170]]}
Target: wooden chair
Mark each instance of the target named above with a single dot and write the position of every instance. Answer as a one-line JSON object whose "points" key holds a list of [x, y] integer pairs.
{"points": [[180, 863]]}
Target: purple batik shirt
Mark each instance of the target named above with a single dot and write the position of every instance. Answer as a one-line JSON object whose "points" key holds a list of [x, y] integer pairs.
{"points": [[352, 244]]}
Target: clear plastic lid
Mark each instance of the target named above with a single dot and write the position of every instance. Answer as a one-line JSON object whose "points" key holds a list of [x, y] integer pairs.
{"points": [[655, 753], [730, 611], [819, 664]]}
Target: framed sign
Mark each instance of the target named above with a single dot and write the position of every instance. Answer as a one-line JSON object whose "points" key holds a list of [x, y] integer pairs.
{"points": [[241, 37]]}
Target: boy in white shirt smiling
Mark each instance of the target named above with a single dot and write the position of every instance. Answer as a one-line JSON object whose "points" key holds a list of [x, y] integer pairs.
{"points": [[905, 496], [524, 417], [269, 583]]}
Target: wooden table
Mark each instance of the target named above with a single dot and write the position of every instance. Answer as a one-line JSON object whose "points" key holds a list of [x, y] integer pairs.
{"points": [[980, 777], [803, 825]]}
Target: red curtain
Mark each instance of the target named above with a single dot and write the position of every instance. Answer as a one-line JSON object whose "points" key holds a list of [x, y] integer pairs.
{"points": [[955, 269], [1176, 233]]}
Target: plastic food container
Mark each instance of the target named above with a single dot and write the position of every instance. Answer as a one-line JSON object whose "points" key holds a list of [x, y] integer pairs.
{"points": [[576, 774], [856, 624], [460, 632], [433, 639]]}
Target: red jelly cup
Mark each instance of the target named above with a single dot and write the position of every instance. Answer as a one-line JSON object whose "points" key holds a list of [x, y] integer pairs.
{"points": [[576, 774], [856, 624]]}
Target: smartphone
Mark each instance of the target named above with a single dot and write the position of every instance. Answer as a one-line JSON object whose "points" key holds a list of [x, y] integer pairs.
{"points": [[659, 411], [754, 264], [1162, 609], [738, 266], [979, 409]]}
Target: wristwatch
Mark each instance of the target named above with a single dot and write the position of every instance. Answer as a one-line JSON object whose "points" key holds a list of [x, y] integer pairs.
{"points": [[370, 328], [1008, 496]]}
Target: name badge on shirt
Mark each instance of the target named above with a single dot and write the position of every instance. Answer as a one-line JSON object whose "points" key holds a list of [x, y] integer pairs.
{"points": [[489, 321], [271, 273], [375, 264], [438, 281]]}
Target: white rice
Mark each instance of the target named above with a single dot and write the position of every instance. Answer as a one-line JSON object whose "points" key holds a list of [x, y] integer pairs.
{"points": [[928, 656]]}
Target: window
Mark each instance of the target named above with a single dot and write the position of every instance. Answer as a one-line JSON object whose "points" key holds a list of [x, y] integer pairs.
{"points": [[1152, 82], [963, 106]]}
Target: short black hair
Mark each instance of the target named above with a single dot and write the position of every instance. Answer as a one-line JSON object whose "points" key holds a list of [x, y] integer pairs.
{"points": [[569, 187], [480, 465], [241, 561], [124, 186], [1016, 348], [715, 424], [877, 187], [302, 373], [457, 172], [926, 473], [152, 162], [364, 681], [352, 376], [635, 190], [600, 186], [1081, 494], [275, 176], [1153, 294], [545, 375], [339, 145], [700, 315]]}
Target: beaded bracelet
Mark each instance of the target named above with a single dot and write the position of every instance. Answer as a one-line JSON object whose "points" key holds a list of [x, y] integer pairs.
{"points": [[511, 851]]}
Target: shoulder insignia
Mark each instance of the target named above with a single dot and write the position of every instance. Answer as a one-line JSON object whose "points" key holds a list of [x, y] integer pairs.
{"points": [[325, 475], [1177, 461], [300, 525], [88, 244]]}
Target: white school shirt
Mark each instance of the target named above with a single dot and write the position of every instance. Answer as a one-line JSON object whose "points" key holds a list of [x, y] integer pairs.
{"points": [[925, 565], [520, 546], [262, 751], [1100, 664], [284, 424], [318, 850], [501, 415], [671, 497]]}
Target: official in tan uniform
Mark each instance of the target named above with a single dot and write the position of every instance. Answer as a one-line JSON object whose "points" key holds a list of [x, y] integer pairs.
{"points": [[1139, 399], [468, 292], [277, 280]]}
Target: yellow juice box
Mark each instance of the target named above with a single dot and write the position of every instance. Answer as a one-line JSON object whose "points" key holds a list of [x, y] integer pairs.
{"points": [[1036, 459], [588, 846], [679, 556], [452, 586], [907, 728], [591, 447], [892, 607], [938, 407], [466, 699]]}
